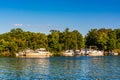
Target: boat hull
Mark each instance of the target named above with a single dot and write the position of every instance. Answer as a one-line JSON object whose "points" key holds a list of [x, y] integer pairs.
{"points": [[96, 54], [38, 55]]}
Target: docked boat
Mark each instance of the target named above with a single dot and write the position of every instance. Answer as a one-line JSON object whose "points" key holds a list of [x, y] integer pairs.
{"points": [[96, 53], [78, 52], [115, 54], [68, 53], [21, 54], [39, 53]]}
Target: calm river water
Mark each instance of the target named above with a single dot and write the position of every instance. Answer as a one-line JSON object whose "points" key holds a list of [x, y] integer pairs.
{"points": [[61, 68]]}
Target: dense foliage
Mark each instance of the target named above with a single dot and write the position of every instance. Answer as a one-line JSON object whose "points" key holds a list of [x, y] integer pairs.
{"points": [[18, 40], [103, 39]]}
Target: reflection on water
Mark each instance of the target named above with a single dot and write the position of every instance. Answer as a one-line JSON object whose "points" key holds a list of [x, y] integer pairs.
{"points": [[24, 69], [61, 68]]}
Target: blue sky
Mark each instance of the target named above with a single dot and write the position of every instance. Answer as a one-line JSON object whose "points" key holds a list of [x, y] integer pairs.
{"points": [[44, 15]]}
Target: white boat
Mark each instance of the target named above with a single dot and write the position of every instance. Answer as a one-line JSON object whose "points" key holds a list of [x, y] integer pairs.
{"points": [[115, 54], [39, 53], [20, 54], [96, 53], [68, 53]]}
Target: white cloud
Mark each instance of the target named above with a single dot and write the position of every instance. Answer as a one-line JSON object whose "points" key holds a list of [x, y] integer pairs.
{"points": [[21, 25], [18, 25]]}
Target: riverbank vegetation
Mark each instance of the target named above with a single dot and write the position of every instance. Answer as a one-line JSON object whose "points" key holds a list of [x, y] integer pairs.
{"points": [[105, 39], [18, 40]]}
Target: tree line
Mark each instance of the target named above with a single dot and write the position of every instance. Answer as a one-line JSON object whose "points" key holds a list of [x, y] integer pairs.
{"points": [[104, 39], [18, 40]]}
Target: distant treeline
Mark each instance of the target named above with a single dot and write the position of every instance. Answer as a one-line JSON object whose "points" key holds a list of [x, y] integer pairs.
{"points": [[18, 40]]}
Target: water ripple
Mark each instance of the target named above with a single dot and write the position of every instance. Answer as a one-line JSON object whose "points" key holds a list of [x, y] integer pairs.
{"points": [[61, 68]]}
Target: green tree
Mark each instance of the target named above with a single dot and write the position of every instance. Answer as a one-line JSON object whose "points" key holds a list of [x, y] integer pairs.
{"points": [[91, 38], [117, 31], [53, 41], [102, 38], [111, 43]]}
